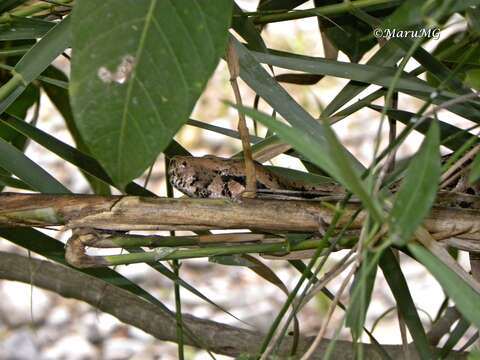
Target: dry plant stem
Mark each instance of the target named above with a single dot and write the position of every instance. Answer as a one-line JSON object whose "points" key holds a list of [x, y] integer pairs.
{"points": [[443, 325], [446, 104], [234, 68], [131, 213], [334, 272], [444, 180], [333, 305], [424, 237]]}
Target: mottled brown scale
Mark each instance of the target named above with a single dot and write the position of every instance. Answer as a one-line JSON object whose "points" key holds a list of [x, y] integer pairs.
{"points": [[215, 177]]}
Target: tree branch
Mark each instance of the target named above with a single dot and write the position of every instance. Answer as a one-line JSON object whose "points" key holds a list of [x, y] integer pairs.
{"points": [[143, 213], [133, 310]]}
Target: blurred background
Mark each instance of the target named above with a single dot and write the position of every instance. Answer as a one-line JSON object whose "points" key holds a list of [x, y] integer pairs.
{"points": [[35, 324]]}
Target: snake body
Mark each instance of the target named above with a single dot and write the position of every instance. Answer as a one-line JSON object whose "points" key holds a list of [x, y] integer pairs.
{"points": [[215, 177]]}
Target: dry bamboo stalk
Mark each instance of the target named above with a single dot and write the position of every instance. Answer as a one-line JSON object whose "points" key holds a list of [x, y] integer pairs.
{"points": [[142, 213]]}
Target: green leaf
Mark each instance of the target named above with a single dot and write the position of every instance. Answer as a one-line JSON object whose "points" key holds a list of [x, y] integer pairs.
{"points": [[12, 182], [370, 74], [37, 59], [131, 96], [15, 162], [463, 295], [21, 28], [387, 55], [417, 193], [362, 287], [6, 5], [474, 170], [265, 86], [450, 136], [399, 287], [455, 337], [19, 108], [59, 97], [72, 155], [473, 79], [348, 34]]}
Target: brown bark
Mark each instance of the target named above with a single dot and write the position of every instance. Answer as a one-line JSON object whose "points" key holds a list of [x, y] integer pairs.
{"points": [[142, 213], [133, 310]]}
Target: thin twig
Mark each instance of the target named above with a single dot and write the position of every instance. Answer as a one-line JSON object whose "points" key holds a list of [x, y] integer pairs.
{"points": [[333, 305], [234, 68]]}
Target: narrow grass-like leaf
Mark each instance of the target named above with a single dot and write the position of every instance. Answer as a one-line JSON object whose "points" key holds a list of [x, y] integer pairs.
{"points": [[417, 193], [454, 338], [463, 295], [60, 99], [325, 151], [220, 130], [152, 78], [37, 59], [387, 55], [21, 28], [15, 162], [414, 12], [474, 170], [245, 27], [6, 5], [370, 74], [264, 85], [399, 287], [450, 136], [362, 286], [14, 183], [76, 157]]}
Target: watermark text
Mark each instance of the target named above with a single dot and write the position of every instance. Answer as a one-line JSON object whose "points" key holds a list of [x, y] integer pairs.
{"points": [[431, 33]]}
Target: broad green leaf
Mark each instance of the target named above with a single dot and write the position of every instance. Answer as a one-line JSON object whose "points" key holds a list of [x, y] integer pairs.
{"points": [[15, 162], [417, 193], [37, 59], [320, 145], [130, 97], [399, 288], [362, 287], [463, 295]]}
